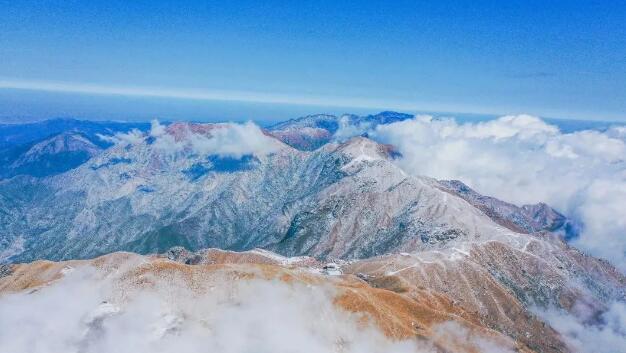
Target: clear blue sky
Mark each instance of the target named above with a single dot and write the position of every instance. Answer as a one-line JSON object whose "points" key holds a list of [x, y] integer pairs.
{"points": [[132, 58]]}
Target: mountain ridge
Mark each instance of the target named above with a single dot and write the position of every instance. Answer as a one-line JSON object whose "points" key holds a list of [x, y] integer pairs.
{"points": [[227, 202], [280, 200]]}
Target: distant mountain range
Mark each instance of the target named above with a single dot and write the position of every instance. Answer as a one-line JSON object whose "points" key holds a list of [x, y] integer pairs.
{"points": [[74, 195], [54, 146], [411, 251]]}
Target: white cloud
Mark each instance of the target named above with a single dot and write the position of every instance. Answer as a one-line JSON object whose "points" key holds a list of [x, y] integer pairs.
{"points": [[132, 137], [347, 129], [231, 316], [606, 335], [232, 96], [522, 159], [163, 141], [224, 139], [455, 335], [235, 140], [156, 129]]}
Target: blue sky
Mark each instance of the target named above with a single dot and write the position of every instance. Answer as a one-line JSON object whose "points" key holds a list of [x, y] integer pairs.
{"points": [[271, 59]]}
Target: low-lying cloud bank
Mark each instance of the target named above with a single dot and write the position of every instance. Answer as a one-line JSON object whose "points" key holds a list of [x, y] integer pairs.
{"points": [[224, 139], [606, 334], [522, 159], [85, 313]]}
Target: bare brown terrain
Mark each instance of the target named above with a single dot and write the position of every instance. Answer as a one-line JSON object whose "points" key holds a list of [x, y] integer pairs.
{"points": [[487, 294]]}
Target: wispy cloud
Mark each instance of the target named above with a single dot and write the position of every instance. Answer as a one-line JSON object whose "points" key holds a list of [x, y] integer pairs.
{"points": [[225, 139], [531, 74], [195, 94], [233, 96]]}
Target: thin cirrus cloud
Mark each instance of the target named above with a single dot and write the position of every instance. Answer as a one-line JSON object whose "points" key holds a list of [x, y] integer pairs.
{"points": [[219, 95], [315, 102], [531, 75]]}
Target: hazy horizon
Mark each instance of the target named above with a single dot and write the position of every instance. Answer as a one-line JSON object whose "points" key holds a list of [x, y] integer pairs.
{"points": [[41, 106], [270, 61]]}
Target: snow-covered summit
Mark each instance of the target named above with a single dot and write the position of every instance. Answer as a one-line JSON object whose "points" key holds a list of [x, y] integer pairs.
{"points": [[313, 131]]}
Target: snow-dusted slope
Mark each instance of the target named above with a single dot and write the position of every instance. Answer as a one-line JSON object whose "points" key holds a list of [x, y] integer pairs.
{"points": [[490, 299], [50, 156], [376, 208], [343, 200], [410, 253], [311, 132], [525, 219]]}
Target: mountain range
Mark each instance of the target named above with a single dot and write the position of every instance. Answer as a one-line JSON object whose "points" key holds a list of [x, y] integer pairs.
{"points": [[415, 247], [342, 200]]}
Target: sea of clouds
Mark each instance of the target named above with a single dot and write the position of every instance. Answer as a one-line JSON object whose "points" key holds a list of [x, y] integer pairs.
{"points": [[585, 333], [89, 310], [523, 160], [86, 313]]}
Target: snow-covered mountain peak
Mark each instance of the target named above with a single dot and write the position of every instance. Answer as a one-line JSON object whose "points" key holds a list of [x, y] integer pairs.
{"points": [[208, 185], [313, 131], [182, 130], [363, 148], [64, 142], [227, 203], [50, 156], [311, 121]]}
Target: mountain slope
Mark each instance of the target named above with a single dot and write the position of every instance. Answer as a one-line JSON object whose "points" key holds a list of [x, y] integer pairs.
{"points": [[525, 219], [54, 146], [415, 253], [311, 132], [50, 156], [343, 200], [479, 301], [20, 134]]}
